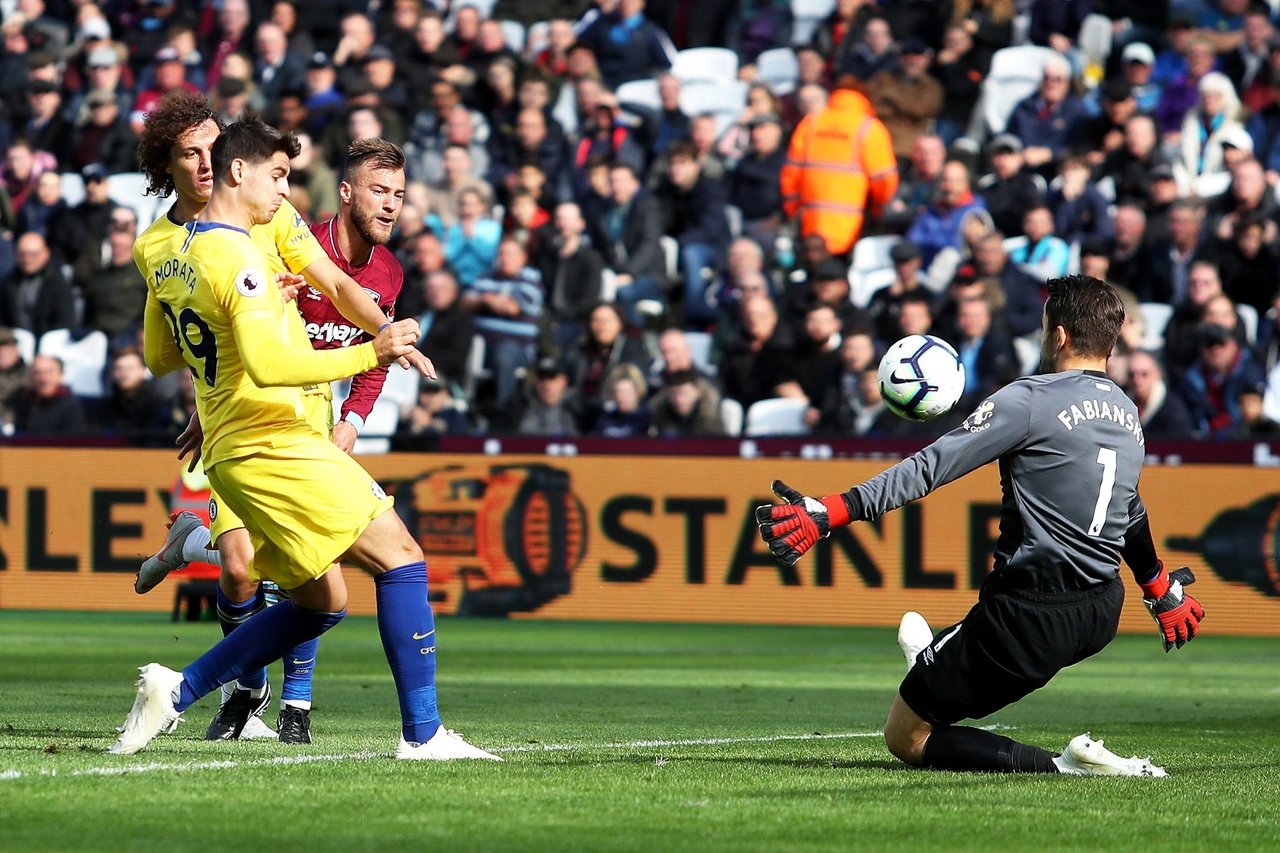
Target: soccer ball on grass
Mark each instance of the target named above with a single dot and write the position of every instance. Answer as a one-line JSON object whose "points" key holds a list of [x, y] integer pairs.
{"points": [[921, 377]]}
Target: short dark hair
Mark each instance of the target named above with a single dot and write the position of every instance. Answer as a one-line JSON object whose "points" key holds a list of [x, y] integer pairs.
{"points": [[1089, 310], [252, 140], [681, 148], [623, 164], [375, 154], [915, 297], [177, 113]]}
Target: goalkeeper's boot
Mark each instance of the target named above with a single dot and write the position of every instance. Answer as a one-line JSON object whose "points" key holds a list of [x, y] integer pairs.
{"points": [[913, 635], [294, 725], [444, 745], [169, 558], [1085, 756], [152, 712], [233, 715]]}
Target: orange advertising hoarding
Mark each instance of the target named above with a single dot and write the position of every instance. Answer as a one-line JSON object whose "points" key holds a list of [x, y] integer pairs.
{"points": [[636, 538]]}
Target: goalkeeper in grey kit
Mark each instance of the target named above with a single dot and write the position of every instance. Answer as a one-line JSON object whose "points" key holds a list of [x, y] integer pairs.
{"points": [[1070, 449]]}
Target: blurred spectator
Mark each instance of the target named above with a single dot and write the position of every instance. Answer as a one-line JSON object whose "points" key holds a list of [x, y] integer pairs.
{"points": [[604, 134], [605, 345], [810, 99], [1079, 209], [960, 67], [628, 236], [1056, 24], [1044, 255], [1132, 167], [103, 70], [571, 269], [840, 164], [284, 13], [276, 68], [1128, 247], [754, 182], [1247, 62], [508, 303], [530, 141], [1139, 62], [1254, 422], [918, 184], [1105, 133], [886, 302], [937, 226], [828, 285], [1264, 125], [1164, 279], [915, 315], [1163, 413], [1213, 383], [458, 175], [45, 128], [83, 228], [499, 92], [761, 103], [170, 76], [627, 45], [435, 414], [431, 57], [379, 68], [1163, 194], [310, 172], [466, 29], [670, 123], [1247, 195], [48, 409], [1268, 343], [703, 132], [115, 294], [986, 351], [447, 324], [22, 168], [843, 402], [42, 206], [1048, 121], [815, 361], [974, 227], [945, 308], [1180, 336], [988, 22], [873, 54], [839, 35], [693, 213], [1213, 123], [526, 222], [548, 413], [687, 406], [15, 374], [1249, 263], [356, 41], [674, 353], [752, 364], [907, 98], [744, 270], [1182, 92], [471, 243], [103, 136], [624, 414], [427, 154], [1023, 295], [35, 296], [131, 408], [323, 100], [1011, 189], [232, 97], [554, 58], [489, 47]]}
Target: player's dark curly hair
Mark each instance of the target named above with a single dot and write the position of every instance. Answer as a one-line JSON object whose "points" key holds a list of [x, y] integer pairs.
{"points": [[177, 113], [1089, 309]]}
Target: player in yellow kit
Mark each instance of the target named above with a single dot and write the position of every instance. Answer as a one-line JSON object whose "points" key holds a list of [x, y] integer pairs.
{"points": [[213, 307]]}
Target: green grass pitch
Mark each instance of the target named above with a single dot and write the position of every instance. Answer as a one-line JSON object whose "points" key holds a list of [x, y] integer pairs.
{"points": [[626, 737]]}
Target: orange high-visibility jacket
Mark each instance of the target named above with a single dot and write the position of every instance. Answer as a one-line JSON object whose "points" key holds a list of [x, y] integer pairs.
{"points": [[839, 165]]}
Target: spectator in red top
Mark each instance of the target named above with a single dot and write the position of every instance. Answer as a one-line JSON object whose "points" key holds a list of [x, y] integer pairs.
{"points": [[232, 36], [554, 58], [170, 75], [49, 408]]}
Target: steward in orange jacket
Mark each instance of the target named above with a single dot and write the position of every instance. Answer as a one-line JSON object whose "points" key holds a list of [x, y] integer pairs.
{"points": [[839, 166]]}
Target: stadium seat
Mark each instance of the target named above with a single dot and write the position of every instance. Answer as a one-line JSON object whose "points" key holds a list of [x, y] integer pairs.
{"points": [[870, 260], [402, 388], [777, 416], [779, 69], [83, 361], [864, 285], [1155, 317], [129, 189], [731, 417], [807, 16], [723, 98], [671, 254], [26, 345], [72, 188], [706, 65], [1028, 349], [700, 350], [1095, 39], [733, 214], [475, 371], [1249, 317], [378, 429], [641, 93], [537, 38], [1015, 73], [484, 7], [513, 33]]}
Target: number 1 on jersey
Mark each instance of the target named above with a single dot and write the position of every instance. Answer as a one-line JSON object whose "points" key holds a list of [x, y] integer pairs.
{"points": [[1107, 459]]}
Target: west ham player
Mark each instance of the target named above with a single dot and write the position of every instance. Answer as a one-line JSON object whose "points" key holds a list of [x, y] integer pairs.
{"points": [[1070, 449], [175, 154], [213, 307]]}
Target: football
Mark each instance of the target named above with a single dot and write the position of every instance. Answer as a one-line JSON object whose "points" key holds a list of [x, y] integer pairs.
{"points": [[921, 377]]}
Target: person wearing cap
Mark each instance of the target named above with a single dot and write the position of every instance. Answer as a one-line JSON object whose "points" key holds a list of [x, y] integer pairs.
{"points": [[753, 181], [45, 126], [827, 285], [276, 68], [907, 98], [103, 69], [1048, 120], [873, 54], [104, 136], [379, 69], [1248, 194], [1211, 386], [840, 167], [1139, 62], [1011, 189], [1207, 129], [81, 229], [433, 415], [324, 101], [1104, 133], [170, 76], [550, 412], [886, 303]]}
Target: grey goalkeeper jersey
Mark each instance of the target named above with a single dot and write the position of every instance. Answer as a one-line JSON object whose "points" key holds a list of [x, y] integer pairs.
{"points": [[1070, 449]]}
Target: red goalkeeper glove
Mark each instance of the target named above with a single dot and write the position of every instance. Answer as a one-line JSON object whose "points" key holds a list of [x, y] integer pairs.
{"points": [[1176, 612], [796, 526]]}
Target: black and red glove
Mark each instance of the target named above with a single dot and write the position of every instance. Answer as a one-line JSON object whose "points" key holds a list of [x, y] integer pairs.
{"points": [[1176, 612], [796, 526]]}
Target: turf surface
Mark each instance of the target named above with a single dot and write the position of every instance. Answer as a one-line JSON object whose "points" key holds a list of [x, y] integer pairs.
{"points": [[626, 737]]}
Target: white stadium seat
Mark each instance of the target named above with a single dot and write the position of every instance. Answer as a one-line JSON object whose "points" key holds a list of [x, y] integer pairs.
{"points": [[83, 361], [872, 267], [129, 189], [706, 65], [1155, 317], [1015, 73], [1249, 318], [401, 388], [728, 98], [513, 33], [731, 417], [777, 416], [378, 428], [72, 188], [26, 345], [779, 69], [807, 16], [641, 93], [700, 350]]}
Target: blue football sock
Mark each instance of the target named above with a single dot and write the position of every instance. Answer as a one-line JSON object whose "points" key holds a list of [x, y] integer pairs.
{"points": [[299, 664], [259, 641], [232, 616], [408, 630]]}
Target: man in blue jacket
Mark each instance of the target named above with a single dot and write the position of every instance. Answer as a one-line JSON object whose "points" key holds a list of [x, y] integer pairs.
{"points": [[628, 46], [938, 225], [1048, 121], [693, 205]]}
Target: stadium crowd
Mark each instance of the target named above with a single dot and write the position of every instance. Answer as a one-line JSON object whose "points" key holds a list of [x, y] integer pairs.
{"points": [[609, 232]]}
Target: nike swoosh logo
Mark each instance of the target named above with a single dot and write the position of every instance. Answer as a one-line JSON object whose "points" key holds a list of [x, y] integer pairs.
{"points": [[297, 662], [894, 378], [423, 636]]}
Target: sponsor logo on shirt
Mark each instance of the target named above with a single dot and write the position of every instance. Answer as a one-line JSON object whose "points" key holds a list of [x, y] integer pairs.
{"points": [[251, 283], [329, 332], [981, 417]]}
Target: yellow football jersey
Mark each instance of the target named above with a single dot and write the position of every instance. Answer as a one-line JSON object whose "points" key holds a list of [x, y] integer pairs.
{"points": [[208, 282]]}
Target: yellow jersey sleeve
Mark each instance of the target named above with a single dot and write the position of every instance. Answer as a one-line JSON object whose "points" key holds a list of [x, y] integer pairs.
{"points": [[288, 238]]}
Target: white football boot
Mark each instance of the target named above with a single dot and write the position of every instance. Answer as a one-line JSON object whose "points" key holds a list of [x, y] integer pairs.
{"points": [[444, 745], [1085, 756], [152, 713], [169, 558], [913, 635]]}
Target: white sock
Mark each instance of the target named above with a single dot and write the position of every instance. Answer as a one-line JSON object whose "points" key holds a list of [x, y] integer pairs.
{"points": [[254, 692], [195, 548], [303, 704]]}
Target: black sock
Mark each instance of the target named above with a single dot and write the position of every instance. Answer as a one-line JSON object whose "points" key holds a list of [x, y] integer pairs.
{"points": [[964, 748]]}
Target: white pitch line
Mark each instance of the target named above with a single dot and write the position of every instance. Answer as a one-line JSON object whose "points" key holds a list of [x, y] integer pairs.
{"points": [[288, 760]]}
